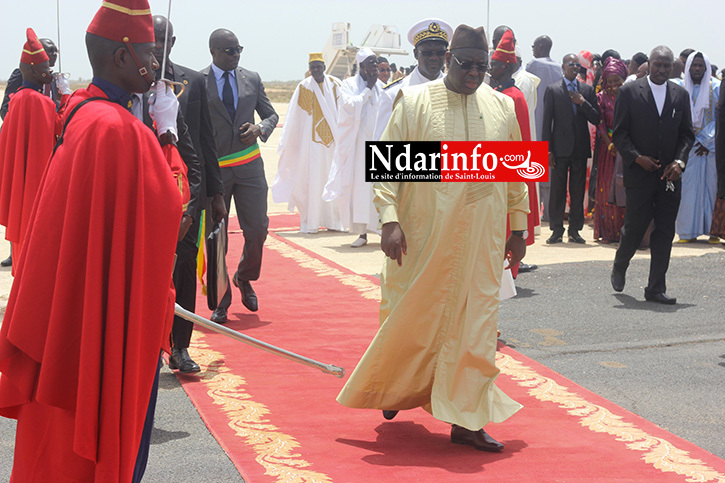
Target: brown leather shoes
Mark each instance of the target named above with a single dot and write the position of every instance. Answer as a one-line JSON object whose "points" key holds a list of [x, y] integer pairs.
{"points": [[478, 439]]}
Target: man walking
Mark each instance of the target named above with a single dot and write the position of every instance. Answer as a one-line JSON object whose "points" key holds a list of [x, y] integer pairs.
{"points": [[653, 133], [235, 93], [445, 244]]}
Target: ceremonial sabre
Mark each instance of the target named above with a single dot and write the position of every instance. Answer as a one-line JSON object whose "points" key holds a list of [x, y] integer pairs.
{"points": [[163, 60], [57, 18], [220, 329]]}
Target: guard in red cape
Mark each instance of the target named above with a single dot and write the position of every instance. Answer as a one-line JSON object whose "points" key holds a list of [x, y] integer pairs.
{"points": [[503, 65], [91, 308], [26, 142]]}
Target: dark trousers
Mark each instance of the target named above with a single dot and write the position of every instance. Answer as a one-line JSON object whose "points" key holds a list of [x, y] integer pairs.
{"points": [[143, 449], [250, 201], [644, 204], [576, 171], [185, 284]]}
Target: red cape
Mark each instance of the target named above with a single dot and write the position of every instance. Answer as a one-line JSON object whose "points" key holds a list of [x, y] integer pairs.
{"points": [[92, 304], [26, 142], [522, 116]]}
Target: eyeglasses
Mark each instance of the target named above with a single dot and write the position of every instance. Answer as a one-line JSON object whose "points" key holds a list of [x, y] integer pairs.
{"points": [[574, 64], [432, 53], [466, 65], [231, 50]]}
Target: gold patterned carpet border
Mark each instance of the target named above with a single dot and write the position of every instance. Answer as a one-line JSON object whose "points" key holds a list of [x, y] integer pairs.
{"points": [[658, 452], [275, 450]]}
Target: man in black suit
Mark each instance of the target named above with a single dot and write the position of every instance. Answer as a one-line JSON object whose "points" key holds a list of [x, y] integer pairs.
{"points": [[568, 106], [235, 94], [653, 133], [193, 105]]}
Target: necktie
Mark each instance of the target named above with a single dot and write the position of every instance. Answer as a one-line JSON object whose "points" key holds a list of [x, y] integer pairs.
{"points": [[228, 96], [572, 88], [48, 90]]}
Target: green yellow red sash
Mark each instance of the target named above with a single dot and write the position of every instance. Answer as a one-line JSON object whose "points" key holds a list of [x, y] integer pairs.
{"points": [[240, 157]]}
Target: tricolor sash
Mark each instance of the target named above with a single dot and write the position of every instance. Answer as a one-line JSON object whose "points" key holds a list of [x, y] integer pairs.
{"points": [[240, 157]]}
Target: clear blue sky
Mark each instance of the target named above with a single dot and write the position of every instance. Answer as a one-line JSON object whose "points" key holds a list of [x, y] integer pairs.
{"points": [[278, 34]]}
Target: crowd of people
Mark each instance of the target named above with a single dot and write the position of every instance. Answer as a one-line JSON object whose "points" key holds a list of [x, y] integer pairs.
{"points": [[111, 186]]}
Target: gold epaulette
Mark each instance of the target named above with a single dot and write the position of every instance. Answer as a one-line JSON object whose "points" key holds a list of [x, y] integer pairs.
{"points": [[393, 83]]}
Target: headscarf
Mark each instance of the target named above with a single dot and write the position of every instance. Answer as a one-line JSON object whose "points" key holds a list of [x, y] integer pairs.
{"points": [[613, 66], [585, 59], [702, 103]]}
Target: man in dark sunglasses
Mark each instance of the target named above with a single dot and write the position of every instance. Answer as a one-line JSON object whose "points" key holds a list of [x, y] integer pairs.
{"points": [[429, 39], [445, 246], [568, 106], [235, 93], [384, 70]]}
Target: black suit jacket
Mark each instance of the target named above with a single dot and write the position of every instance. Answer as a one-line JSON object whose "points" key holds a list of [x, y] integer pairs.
{"points": [[226, 131], [720, 146], [640, 130], [188, 155], [568, 134], [194, 104]]}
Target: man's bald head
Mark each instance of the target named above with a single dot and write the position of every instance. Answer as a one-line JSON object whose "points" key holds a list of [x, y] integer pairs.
{"points": [[225, 49], [498, 33], [50, 49], [220, 36], [663, 51], [160, 23], [542, 46]]}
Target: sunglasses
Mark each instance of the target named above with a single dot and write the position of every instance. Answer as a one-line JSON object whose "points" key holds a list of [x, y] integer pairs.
{"points": [[232, 50], [479, 66], [432, 53], [383, 70], [574, 64]]}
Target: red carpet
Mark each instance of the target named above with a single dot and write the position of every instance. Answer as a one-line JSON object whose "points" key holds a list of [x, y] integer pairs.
{"points": [[279, 421]]}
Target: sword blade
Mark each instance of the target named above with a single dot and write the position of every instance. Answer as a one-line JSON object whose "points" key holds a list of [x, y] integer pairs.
{"points": [[220, 329]]}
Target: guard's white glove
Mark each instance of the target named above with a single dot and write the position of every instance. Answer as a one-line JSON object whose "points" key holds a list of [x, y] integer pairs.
{"points": [[61, 83], [163, 108]]}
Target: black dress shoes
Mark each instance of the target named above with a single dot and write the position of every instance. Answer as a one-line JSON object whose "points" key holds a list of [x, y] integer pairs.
{"points": [[181, 360], [219, 315], [524, 267], [554, 238], [249, 296], [388, 414], [617, 279], [575, 237], [478, 439], [8, 262], [660, 298]]}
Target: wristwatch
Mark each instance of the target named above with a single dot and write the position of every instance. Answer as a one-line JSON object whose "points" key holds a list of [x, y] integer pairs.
{"points": [[681, 164], [521, 233]]}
